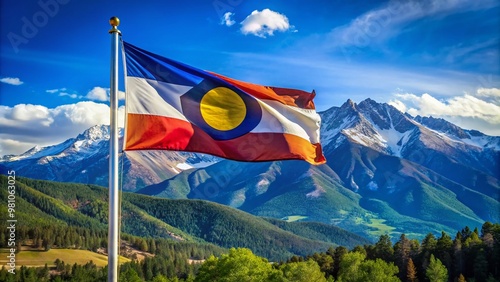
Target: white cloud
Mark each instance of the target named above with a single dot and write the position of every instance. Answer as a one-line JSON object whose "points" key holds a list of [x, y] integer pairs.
{"points": [[98, 94], [11, 80], [56, 90], [71, 95], [28, 112], [62, 93], [265, 22], [226, 20], [24, 126], [399, 105], [491, 95], [102, 94], [467, 111]]}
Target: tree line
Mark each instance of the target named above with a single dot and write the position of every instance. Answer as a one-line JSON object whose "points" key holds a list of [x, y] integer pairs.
{"points": [[472, 255]]}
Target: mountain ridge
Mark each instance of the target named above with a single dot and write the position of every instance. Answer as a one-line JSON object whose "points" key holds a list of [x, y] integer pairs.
{"points": [[85, 206], [385, 171]]}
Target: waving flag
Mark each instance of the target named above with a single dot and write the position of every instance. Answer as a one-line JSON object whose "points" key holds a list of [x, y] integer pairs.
{"points": [[173, 106]]}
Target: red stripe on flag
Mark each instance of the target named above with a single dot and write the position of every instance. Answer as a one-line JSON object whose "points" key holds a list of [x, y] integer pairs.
{"points": [[150, 132]]}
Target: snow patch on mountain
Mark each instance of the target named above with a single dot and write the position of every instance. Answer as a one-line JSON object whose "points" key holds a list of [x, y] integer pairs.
{"points": [[263, 183], [190, 165], [367, 140], [485, 141], [328, 135], [317, 192], [393, 140]]}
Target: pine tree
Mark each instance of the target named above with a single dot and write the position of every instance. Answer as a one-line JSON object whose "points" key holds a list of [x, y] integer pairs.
{"points": [[480, 266], [383, 248], [458, 255], [444, 250], [340, 252], [402, 250], [461, 278], [436, 271], [152, 246], [411, 271]]}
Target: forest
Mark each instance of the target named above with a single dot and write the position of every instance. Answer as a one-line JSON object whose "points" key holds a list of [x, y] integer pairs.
{"points": [[472, 255]]}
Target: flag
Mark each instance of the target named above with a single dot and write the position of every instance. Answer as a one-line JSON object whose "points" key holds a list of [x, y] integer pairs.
{"points": [[173, 106]]}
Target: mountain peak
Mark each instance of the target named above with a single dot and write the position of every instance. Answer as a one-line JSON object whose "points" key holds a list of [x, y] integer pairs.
{"points": [[370, 101], [33, 150], [349, 104], [96, 132]]}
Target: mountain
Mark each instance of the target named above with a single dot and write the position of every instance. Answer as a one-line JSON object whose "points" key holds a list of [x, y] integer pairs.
{"points": [[386, 172], [40, 203], [85, 159]]}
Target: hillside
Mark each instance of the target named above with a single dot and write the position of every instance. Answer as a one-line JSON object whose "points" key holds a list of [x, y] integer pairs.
{"points": [[386, 172], [35, 258], [78, 205]]}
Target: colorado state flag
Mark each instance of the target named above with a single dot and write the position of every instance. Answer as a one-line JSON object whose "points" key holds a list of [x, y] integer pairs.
{"points": [[173, 106]]}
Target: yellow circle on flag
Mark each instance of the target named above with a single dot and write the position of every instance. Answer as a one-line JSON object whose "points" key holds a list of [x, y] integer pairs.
{"points": [[222, 108]]}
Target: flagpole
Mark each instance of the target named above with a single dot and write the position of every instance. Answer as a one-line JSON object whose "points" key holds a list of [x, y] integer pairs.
{"points": [[113, 231]]}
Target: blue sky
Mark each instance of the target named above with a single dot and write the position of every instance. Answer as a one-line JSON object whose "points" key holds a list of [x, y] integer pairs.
{"points": [[427, 57]]}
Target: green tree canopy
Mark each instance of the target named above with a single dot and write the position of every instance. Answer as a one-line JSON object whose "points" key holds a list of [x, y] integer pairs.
{"points": [[240, 265], [305, 271], [355, 268], [436, 271]]}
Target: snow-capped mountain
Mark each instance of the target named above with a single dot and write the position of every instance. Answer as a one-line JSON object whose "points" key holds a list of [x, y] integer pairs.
{"points": [[432, 143], [84, 146], [386, 129], [385, 170], [85, 159]]}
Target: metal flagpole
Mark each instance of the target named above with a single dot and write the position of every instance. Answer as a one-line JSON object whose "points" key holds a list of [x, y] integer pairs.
{"points": [[113, 157]]}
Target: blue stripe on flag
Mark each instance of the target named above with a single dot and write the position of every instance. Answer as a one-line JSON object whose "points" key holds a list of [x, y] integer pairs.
{"points": [[141, 63]]}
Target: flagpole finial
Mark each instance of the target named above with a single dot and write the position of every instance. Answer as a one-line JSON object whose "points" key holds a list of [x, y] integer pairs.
{"points": [[114, 22]]}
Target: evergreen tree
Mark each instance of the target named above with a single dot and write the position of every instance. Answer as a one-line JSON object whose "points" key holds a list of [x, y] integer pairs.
{"points": [[160, 278], [458, 261], [436, 271], [480, 266], [444, 249], [461, 278], [402, 250], [340, 252], [383, 248], [325, 262], [130, 275], [429, 244], [152, 247], [411, 271], [465, 233]]}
